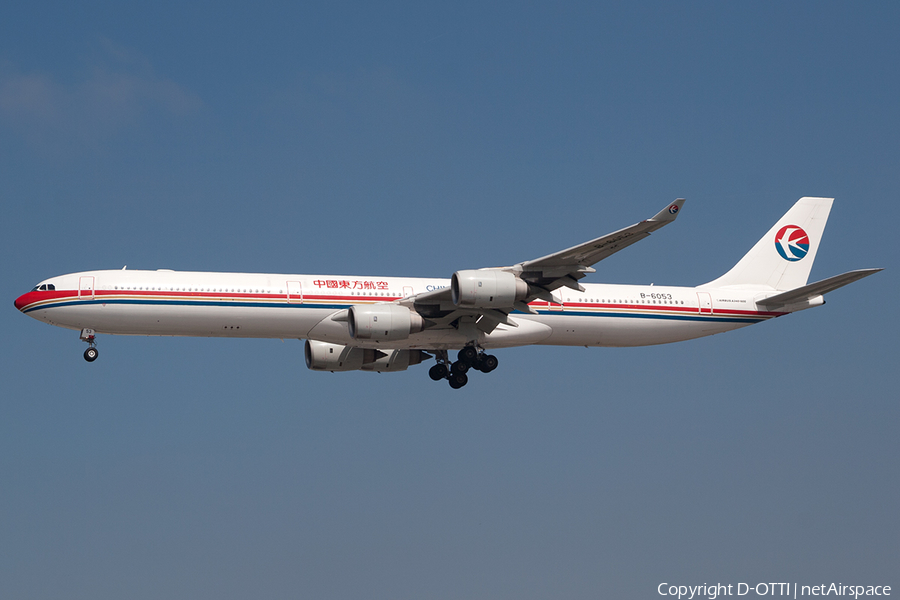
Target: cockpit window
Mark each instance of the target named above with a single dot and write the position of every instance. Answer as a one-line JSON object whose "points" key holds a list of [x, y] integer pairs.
{"points": [[44, 287], [51, 287]]}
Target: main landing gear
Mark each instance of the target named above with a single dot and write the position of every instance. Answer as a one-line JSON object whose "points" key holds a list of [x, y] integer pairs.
{"points": [[468, 358], [87, 335]]}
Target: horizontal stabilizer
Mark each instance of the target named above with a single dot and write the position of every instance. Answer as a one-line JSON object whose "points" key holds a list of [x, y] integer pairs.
{"points": [[817, 289]]}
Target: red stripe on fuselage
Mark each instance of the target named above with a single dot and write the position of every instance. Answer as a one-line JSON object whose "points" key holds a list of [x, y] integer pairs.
{"points": [[32, 297]]}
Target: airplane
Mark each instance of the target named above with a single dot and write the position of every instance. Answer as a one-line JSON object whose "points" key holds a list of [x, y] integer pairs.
{"points": [[387, 324]]}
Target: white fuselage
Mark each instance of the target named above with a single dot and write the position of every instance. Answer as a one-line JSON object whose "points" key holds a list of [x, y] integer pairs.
{"points": [[172, 303]]}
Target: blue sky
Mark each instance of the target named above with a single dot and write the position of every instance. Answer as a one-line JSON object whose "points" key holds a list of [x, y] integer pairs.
{"points": [[418, 139]]}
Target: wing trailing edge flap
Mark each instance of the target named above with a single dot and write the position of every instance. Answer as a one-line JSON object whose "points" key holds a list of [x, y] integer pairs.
{"points": [[818, 288], [488, 320]]}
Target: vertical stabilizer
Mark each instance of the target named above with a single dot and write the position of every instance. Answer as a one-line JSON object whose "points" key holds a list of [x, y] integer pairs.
{"points": [[783, 258]]}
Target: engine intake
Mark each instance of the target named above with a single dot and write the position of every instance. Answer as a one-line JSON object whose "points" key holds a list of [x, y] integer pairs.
{"points": [[383, 322], [487, 289]]}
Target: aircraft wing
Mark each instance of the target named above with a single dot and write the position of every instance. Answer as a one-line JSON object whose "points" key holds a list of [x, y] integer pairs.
{"points": [[545, 274], [564, 268]]}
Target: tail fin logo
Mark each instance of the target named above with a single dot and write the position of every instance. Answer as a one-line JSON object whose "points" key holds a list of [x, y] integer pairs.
{"points": [[792, 243]]}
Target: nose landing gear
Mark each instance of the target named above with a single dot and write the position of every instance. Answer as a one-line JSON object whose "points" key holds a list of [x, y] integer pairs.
{"points": [[87, 335]]}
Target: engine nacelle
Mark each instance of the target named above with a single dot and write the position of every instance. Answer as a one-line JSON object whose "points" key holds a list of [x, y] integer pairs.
{"points": [[487, 289], [322, 356], [383, 322]]}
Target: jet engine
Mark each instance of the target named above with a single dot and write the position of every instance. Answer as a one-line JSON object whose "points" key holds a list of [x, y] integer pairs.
{"points": [[383, 322], [487, 289], [322, 356]]}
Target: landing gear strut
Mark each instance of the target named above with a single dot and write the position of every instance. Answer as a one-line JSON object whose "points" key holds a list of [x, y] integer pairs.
{"points": [[87, 335], [467, 358]]}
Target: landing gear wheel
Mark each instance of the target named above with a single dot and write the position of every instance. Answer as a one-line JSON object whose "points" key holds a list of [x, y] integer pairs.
{"points": [[438, 372], [457, 380], [468, 355], [459, 367], [489, 362], [91, 354]]}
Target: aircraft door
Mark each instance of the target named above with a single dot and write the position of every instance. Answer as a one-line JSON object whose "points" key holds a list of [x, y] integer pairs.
{"points": [[705, 303], [407, 291], [294, 292], [86, 287]]}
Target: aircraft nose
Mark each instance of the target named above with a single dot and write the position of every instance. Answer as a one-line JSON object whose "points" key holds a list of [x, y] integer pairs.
{"points": [[22, 301]]}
